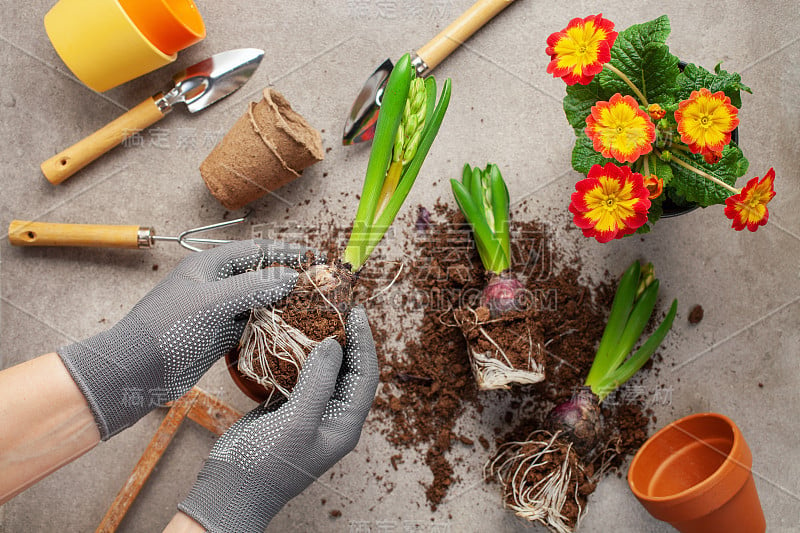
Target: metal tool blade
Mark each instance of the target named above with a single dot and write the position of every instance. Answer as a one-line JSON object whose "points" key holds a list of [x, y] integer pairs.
{"points": [[214, 78], [360, 124]]}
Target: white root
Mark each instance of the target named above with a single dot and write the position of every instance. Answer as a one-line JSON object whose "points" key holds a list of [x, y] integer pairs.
{"points": [[544, 500], [493, 369], [389, 286], [268, 337]]}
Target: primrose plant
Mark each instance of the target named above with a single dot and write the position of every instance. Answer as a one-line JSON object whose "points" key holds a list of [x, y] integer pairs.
{"points": [[653, 133]]}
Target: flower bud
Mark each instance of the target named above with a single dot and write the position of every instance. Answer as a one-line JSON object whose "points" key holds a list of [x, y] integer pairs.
{"points": [[656, 112], [654, 185], [411, 149], [647, 275], [712, 157]]}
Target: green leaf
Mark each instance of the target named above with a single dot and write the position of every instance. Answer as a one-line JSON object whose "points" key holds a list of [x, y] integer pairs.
{"points": [[694, 77], [579, 102], [661, 169], [584, 156], [500, 208], [430, 99], [650, 66], [638, 359], [697, 189], [624, 300], [392, 105], [489, 248], [638, 319], [640, 35], [476, 191], [466, 176]]}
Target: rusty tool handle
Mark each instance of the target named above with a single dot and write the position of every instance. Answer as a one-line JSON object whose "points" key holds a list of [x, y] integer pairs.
{"points": [[63, 165], [461, 29], [26, 233]]}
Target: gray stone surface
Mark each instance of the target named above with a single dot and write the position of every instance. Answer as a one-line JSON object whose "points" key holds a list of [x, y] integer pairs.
{"points": [[505, 108]]}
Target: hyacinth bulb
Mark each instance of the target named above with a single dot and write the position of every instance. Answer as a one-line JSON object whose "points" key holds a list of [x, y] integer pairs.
{"points": [[328, 285], [578, 420], [503, 294]]}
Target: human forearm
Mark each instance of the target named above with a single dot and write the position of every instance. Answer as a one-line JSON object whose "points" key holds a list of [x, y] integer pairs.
{"points": [[182, 523], [46, 423]]}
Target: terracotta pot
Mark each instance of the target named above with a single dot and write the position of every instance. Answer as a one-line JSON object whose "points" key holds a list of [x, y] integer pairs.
{"points": [[250, 388], [695, 474]]}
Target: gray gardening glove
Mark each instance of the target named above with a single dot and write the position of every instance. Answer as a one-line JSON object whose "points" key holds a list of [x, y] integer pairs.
{"points": [[159, 350], [271, 455]]}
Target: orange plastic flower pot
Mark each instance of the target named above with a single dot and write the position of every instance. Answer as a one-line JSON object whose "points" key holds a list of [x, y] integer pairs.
{"points": [[171, 25], [250, 388], [695, 474]]}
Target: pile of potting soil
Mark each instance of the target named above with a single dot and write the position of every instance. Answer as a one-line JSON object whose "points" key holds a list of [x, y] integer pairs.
{"points": [[427, 382]]}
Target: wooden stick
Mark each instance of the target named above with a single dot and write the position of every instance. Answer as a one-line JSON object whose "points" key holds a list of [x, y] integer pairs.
{"points": [[149, 459], [212, 413]]}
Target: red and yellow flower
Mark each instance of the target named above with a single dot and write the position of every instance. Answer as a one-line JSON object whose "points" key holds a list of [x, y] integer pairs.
{"points": [[579, 51], [654, 186], [610, 203], [749, 207], [620, 130], [705, 121]]}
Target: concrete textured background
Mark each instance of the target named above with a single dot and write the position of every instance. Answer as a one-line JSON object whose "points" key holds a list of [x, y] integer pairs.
{"points": [[506, 109]]}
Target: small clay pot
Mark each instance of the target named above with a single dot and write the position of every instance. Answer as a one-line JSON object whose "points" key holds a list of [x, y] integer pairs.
{"points": [[695, 474], [250, 388]]}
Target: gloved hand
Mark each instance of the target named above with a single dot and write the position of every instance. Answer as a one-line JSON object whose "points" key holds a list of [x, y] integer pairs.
{"points": [[271, 455], [176, 332]]}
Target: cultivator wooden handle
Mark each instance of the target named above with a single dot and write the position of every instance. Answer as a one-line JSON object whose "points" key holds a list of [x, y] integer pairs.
{"points": [[461, 29], [27, 233]]}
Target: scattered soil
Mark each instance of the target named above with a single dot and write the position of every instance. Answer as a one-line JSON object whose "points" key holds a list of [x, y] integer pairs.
{"points": [[696, 314], [426, 380], [428, 384]]}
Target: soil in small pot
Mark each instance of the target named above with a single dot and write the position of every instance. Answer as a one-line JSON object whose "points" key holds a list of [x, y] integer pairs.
{"points": [[314, 311]]}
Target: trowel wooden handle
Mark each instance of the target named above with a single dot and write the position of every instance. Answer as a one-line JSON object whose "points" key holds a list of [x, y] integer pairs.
{"points": [[25, 233], [63, 165], [460, 30]]}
